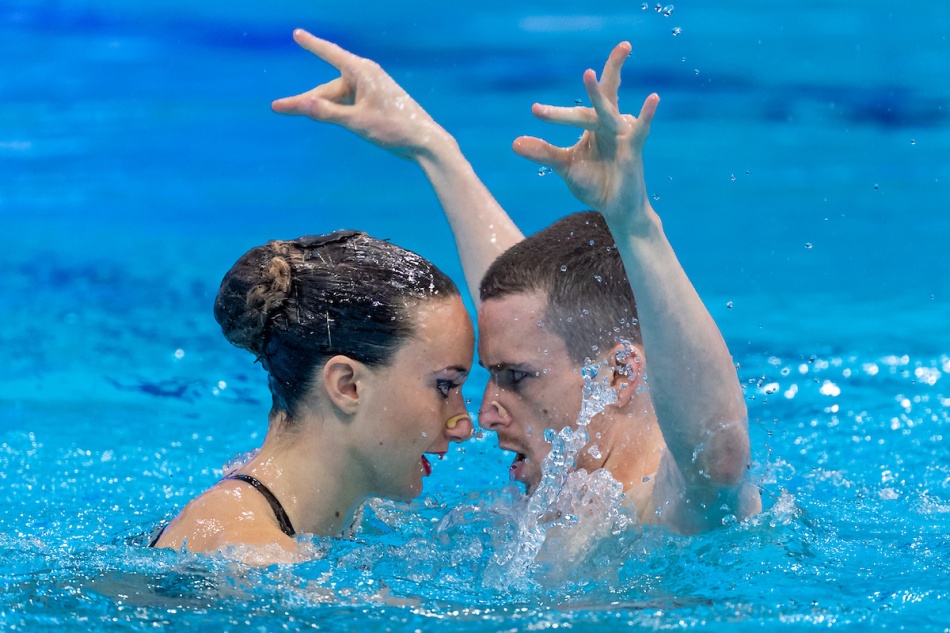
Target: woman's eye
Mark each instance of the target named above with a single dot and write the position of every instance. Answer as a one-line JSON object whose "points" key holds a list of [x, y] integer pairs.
{"points": [[445, 387]]}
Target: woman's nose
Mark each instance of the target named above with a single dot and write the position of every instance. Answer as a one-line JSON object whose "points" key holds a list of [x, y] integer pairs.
{"points": [[492, 415], [459, 427]]}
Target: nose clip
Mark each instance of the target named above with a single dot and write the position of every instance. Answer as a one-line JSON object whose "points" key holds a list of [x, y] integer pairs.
{"points": [[502, 413], [453, 422]]}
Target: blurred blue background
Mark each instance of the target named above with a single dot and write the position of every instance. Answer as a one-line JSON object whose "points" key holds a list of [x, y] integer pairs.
{"points": [[800, 160], [140, 134]]}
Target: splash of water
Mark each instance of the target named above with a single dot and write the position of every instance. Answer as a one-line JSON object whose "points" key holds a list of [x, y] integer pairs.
{"points": [[569, 509]]}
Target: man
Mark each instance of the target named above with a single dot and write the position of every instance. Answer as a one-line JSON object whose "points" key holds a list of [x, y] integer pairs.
{"points": [[677, 436]]}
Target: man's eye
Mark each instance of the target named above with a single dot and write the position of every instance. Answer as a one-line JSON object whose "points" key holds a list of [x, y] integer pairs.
{"points": [[511, 378], [515, 376]]}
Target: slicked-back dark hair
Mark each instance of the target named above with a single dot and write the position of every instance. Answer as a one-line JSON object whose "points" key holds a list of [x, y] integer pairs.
{"points": [[575, 264], [294, 304]]}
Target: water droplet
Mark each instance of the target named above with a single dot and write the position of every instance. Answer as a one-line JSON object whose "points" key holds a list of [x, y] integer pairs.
{"points": [[646, 479], [577, 102], [656, 197], [913, 142], [676, 31], [667, 10], [658, 8], [544, 170], [179, 353], [645, 6], [732, 176], [807, 244], [598, 278], [695, 71], [876, 186], [729, 305], [563, 268], [594, 451]]}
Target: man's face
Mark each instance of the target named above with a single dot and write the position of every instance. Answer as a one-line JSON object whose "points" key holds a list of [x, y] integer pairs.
{"points": [[534, 384]]}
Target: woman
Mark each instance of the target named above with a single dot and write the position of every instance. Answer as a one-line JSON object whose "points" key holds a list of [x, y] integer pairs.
{"points": [[366, 346]]}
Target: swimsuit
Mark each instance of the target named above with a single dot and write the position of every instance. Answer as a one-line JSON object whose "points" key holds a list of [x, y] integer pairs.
{"points": [[279, 513]]}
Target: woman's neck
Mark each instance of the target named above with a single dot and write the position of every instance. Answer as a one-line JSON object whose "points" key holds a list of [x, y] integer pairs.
{"points": [[307, 472]]}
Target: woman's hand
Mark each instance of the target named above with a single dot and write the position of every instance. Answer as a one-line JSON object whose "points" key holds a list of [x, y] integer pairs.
{"points": [[604, 169], [365, 100]]}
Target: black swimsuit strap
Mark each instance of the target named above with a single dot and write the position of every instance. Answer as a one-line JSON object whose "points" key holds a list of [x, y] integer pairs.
{"points": [[282, 519]]}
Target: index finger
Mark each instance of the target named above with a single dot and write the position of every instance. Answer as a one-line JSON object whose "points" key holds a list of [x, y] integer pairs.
{"points": [[325, 50]]}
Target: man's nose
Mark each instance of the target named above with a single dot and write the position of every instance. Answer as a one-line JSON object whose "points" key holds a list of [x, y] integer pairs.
{"points": [[492, 415]]}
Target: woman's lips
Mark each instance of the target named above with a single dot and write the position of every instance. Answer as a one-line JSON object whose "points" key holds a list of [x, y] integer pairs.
{"points": [[426, 466]]}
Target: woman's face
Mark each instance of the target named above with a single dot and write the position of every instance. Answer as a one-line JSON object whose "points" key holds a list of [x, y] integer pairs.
{"points": [[406, 409]]}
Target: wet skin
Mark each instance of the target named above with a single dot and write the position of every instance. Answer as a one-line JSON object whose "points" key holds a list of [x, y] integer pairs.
{"points": [[406, 411], [535, 386]]}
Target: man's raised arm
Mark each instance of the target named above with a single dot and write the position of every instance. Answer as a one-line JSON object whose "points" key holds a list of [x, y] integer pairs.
{"points": [[692, 379]]}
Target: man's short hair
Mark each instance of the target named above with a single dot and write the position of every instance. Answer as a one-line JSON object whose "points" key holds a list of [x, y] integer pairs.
{"points": [[576, 265]]}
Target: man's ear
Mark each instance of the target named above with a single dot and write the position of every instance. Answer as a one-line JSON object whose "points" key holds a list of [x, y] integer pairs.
{"points": [[625, 361], [342, 380]]}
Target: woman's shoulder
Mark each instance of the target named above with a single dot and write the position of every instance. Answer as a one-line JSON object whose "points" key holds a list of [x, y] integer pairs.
{"points": [[229, 518]]}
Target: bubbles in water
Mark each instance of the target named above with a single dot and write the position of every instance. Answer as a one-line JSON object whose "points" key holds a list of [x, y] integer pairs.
{"points": [[729, 305], [594, 451], [179, 353], [676, 31], [807, 244], [645, 6], [544, 170], [563, 268], [668, 10]]}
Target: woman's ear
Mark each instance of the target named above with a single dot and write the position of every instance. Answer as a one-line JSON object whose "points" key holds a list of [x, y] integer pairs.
{"points": [[342, 378], [625, 361]]}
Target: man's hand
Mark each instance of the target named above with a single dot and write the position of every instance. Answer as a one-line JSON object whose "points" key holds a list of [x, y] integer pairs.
{"points": [[604, 169]]}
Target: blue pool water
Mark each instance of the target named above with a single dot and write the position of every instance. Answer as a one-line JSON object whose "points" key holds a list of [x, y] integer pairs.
{"points": [[799, 160]]}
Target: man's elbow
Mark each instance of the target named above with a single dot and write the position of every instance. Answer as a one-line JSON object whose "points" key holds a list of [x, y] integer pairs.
{"points": [[728, 461]]}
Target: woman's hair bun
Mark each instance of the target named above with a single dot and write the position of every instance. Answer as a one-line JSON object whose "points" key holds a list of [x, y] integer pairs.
{"points": [[257, 285]]}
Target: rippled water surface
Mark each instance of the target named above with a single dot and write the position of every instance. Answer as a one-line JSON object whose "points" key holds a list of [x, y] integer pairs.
{"points": [[799, 162]]}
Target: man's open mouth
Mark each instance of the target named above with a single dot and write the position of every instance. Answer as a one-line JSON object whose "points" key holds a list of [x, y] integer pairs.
{"points": [[515, 469]]}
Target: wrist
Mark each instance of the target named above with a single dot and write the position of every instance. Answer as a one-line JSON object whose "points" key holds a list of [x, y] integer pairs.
{"points": [[438, 151], [641, 222]]}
